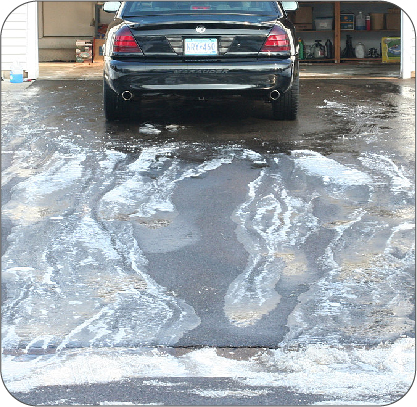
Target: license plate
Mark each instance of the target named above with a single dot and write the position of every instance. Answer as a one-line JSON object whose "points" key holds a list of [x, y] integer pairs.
{"points": [[200, 46]]}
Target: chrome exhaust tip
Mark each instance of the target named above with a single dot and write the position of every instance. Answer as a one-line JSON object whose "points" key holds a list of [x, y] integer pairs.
{"points": [[274, 95], [127, 95]]}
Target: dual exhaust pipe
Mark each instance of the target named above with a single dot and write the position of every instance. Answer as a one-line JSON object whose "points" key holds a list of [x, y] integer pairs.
{"points": [[127, 95], [274, 95]]}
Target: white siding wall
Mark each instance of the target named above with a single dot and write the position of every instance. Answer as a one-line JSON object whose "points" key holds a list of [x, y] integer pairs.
{"points": [[14, 38], [19, 40], [408, 45]]}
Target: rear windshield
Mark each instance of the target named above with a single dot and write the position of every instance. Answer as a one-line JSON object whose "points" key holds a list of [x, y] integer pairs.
{"points": [[141, 8]]}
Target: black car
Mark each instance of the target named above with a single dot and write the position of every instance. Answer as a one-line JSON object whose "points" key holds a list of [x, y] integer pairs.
{"points": [[201, 49]]}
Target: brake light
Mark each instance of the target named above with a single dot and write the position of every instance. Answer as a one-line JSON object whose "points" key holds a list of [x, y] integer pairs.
{"points": [[124, 41], [277, 41]]}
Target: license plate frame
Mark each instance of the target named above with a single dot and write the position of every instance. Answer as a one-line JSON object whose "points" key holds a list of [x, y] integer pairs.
{"points": [[200, 46]]}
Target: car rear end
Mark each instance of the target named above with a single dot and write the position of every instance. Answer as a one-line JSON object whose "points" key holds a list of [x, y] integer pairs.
{"points": [[201, 48]]}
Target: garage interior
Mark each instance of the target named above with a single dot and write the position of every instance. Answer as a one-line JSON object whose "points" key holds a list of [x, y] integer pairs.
{"points": [[336, 37]]}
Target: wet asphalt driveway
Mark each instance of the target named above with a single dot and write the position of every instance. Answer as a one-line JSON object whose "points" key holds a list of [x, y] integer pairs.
{"points": [[201, 253]]}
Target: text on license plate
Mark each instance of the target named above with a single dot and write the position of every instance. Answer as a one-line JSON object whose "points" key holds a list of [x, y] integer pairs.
{"points": [[200, 46]]}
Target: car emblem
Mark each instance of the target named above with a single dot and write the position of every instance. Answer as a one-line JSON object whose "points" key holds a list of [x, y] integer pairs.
{"points": [[200, 29]]}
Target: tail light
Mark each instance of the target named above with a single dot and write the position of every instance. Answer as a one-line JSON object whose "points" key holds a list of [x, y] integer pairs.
{"points": [[125, 42], [277, 41]]}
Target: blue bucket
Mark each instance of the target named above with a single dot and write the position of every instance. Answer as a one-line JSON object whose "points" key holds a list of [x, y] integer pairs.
{"points": [[16, 73], [16, 77]]}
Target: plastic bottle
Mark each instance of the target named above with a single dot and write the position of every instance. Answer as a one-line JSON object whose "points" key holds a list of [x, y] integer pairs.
{"points": [[16, 73], [319, 49], [360, 50], [329, 49], [360, 21], [301, 50], [368, 22]]}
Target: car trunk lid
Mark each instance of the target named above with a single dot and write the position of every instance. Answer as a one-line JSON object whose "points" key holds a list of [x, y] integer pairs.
{"points": [[230, 35]]}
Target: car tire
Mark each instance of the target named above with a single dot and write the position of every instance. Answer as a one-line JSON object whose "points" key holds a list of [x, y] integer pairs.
{"points": [[110, 102], [286, 107], [115, 108]]}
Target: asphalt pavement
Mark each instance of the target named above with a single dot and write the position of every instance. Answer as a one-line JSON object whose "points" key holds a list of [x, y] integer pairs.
{"points": [[201, 253]]}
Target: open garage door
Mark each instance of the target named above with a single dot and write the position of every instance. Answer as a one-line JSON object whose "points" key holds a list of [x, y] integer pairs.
{"points": [[20, 40]]}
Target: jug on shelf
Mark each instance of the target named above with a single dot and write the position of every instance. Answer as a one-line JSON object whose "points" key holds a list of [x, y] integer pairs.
{"points": [[360, 50], [319, 49], [360, 21]]}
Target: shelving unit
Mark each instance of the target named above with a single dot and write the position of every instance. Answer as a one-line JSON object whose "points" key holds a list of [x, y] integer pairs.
{"points": [[371, 38]]}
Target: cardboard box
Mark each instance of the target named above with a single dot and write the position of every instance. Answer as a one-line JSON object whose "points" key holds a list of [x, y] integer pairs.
{"points": [[304, 27], [98, 49], [377, 21], [304, 15], [84, 51], [347, 21], [391, 49], [394, 10], [393, 21]]}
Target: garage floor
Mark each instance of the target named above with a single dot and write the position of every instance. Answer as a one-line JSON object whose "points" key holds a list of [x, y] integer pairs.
{"points": [[94, 71], [59, 70]]}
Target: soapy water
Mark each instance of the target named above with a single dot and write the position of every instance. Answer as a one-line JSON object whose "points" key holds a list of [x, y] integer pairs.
{"points": [[344, 375], [83, 280], [79, 291]]}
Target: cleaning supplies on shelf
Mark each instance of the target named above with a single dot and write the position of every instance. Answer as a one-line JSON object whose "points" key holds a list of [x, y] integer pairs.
{"points": [[360, 21], [319, 50], [360, 50], [301, 52], [349, 51], [368, 22], [328, 52]]}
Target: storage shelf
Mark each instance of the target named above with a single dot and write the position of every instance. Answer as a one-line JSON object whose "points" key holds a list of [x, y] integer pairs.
{"points": [[369, 31], [362, 59], [338, 34], [315, 31], [370, 60], [331, 60]]}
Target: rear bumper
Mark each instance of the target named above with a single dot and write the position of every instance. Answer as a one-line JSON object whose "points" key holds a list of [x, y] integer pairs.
{"points": [[256, 78]]}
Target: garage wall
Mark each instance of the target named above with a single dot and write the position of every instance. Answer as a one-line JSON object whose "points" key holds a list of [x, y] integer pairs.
{"points": [[19, 40], [60, 25], [68, 19]]}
